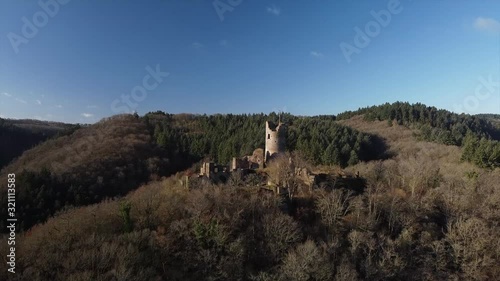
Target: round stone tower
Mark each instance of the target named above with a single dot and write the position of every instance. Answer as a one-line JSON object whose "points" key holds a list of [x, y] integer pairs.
{"points": [[275, 140]]}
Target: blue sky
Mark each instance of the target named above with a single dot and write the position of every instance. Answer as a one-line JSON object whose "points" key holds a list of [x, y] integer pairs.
{"points": [[245, 56]]}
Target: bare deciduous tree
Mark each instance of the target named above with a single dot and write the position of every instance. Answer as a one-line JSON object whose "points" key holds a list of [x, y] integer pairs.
{"points": [[281, 172], [471, 240], [281, 232], [307, 262], [332, 206]]}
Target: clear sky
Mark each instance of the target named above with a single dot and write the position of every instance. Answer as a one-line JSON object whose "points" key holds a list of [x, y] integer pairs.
{"points": [[88, 59]]}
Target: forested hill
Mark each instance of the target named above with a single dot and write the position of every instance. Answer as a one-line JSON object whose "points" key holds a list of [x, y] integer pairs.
{"points": [[436, 124], [117, 154], [476, 133], [16, 136], [106, 159]]}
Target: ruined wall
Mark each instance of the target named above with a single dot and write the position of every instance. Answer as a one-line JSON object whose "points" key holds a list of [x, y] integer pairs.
{"points": [[207, 168], [239, 163], [217, 173], [254, 161]]}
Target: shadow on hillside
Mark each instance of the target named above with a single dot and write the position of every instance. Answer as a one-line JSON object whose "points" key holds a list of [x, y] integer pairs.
{"points": [[380, 149]]}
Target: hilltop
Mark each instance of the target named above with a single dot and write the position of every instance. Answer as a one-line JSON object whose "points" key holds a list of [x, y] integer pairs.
{"points": [[425, 215], [117, 154], [83, 165]]}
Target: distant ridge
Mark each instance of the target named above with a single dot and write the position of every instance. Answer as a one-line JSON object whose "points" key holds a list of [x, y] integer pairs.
{"points": [[437, 125], [16, 136]]}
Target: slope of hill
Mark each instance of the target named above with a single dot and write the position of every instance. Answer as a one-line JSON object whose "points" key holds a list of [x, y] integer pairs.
{"points": [[405, 146], [435, 124], [107, 159], [424, 216], [16, 136], [115, 155], [479, 136]]}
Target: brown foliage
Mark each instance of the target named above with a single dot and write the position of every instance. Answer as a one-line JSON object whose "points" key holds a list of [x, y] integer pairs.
{"points": [[421, 217]]}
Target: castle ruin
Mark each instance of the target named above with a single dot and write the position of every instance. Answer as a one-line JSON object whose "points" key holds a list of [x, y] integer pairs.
{"points": [[274, 146]]}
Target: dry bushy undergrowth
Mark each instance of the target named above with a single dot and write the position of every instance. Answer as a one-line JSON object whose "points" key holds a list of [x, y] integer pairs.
{"points": [[430, 180]]}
